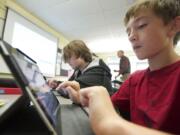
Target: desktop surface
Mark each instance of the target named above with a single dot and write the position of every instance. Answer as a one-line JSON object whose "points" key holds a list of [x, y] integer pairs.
{"points": [[7, 102], [74, 119]]}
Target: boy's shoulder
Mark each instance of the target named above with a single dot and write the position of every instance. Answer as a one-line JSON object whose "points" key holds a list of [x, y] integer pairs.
{"points": [[97, 64], [138, 75]]}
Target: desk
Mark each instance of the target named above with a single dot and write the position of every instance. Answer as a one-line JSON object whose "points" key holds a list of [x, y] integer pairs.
{"points": [[10, 100], [74, 119]]}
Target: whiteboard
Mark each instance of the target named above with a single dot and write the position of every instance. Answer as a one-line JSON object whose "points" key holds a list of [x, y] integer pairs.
{"points": [[38, 44]]}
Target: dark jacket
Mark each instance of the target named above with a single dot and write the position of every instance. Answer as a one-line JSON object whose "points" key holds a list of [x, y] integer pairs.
{"points": [[97, 73]]}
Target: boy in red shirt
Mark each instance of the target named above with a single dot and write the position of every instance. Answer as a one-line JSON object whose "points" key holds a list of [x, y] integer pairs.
{"points": [[152, 96]]}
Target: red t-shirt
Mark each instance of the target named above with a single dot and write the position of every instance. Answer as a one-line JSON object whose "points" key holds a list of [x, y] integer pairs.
{"points": [[153, 98]]}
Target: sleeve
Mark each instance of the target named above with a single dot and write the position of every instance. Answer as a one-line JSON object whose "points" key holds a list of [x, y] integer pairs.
{"points": [[121, 99], [63, 93]]}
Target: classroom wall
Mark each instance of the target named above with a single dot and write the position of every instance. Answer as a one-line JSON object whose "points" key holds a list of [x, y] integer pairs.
{"points": [[4, 71], [22, 11], [62, 40], [135, 63], [105, 56], [177, 49]]}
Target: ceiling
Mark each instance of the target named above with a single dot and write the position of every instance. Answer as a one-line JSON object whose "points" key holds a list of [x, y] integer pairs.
{"points": [[97, 22]]}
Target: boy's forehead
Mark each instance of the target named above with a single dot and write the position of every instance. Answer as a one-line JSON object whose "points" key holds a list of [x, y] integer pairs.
{"points": [[141, 14]]}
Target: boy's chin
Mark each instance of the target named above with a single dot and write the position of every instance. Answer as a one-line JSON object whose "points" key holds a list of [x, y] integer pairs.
{"points": [[140, 57]]}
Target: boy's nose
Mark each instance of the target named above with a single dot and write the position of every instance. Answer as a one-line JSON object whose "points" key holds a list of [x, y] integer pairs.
{"points": [[132, 36]]}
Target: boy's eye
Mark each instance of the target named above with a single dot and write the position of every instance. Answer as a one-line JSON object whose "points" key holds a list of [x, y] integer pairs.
{"points": [[142, 26], [128, 33]]}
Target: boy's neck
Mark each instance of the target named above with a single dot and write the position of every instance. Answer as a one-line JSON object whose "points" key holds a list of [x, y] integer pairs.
{"points": [[163, 59], [84, 66]]}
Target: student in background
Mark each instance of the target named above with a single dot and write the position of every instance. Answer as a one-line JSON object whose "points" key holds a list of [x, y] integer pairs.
{"points": [[151, 95], [88, 71], [124, 66]]}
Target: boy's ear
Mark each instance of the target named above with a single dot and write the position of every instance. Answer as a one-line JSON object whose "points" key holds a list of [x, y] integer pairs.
{"points": [[177, 23], [175, 26]]}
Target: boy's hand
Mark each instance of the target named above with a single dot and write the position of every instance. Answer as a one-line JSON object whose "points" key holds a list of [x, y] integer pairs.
{"points": [[72, 88], [100, 106], [52, 83]]}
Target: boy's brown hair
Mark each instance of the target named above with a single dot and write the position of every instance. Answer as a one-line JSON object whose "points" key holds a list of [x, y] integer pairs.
{"points": [[77, 48], [167, 10], [121, 51]]}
